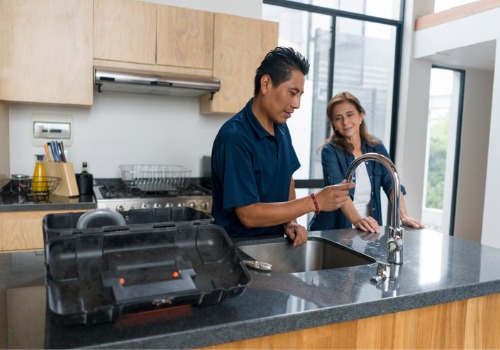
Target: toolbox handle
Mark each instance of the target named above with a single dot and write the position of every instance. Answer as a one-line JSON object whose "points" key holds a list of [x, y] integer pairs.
{"points": [[156, 291]]}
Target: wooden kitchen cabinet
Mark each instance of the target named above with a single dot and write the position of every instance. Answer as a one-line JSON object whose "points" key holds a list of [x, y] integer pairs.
{"points": [[144, 37], [140, 36], [464, 324], [185, 37], [125, 31], [46, 51], [23, 230], [240, 44]]}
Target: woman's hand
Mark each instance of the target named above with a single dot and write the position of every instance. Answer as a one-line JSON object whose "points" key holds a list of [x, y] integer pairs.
{"points": [[367, 224], [407, 221], [297, 233], [403, 214]]}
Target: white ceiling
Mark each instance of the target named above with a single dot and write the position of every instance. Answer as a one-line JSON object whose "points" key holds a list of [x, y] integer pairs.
{"points": [[479, 56]]}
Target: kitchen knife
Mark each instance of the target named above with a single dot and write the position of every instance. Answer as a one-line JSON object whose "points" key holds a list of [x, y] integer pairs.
{"points": [[61, 149], [47, 152], [55, 153]]}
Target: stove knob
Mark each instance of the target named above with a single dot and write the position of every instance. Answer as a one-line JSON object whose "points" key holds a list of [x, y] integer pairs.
{"points": [[156, 205], [168, 205], [120, 207], [180, 204], [144, 206], [192, 205], [204, 206]]}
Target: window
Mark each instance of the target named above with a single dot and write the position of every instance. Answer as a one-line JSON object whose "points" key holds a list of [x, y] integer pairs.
{"points": [[349, 49], [390, 9]]}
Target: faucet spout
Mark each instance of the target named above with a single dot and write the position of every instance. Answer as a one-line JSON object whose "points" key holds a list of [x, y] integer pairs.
{"points": [[395, 241]]}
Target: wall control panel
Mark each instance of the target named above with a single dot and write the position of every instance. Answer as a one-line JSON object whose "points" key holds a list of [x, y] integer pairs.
{"points": [[47, 127]]}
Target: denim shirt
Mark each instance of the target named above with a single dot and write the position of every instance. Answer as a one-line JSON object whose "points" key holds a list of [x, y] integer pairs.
{"points": [[335, 162]]}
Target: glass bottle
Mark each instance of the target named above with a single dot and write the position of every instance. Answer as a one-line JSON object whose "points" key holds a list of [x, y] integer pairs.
{"points": [[39, 180]]}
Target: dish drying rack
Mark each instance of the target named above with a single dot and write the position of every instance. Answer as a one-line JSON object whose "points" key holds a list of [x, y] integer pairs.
{"points": [[155, 177]]}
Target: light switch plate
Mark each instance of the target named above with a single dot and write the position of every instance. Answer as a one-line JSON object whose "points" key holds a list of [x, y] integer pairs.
{"points": [[47, 127]]}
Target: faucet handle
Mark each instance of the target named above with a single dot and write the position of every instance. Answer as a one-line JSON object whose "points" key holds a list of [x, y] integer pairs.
{"points": [[386, 271], [394, 244], [394, 247], [383, 271], [376, 279]]}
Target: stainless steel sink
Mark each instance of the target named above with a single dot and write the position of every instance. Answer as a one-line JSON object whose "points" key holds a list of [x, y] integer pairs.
{"points": [[317, 254]]}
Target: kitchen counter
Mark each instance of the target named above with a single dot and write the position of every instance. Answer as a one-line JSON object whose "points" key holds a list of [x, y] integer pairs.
{"points": [[15, 203], [437, 269]]}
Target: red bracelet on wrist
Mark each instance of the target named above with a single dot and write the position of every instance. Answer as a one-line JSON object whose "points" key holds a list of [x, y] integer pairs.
{"points": [[316, 206]]}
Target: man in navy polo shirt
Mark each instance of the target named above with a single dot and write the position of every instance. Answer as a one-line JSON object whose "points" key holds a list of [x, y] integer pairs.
{"points": [[253, 159]]}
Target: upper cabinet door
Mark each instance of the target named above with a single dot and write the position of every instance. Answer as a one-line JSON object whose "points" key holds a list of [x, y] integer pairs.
{"points": [[240, 45], [125, 31], [184, 37], [46, 51]]}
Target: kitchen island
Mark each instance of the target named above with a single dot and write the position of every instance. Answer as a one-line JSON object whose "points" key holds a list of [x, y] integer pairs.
{"points": [[446, 295]]}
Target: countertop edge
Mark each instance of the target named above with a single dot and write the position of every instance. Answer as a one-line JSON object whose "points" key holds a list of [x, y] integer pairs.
{"points": [[226, 333], [47, 207]]}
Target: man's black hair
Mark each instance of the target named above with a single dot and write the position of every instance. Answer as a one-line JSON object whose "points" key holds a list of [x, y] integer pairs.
{"points": [[279, 64]]}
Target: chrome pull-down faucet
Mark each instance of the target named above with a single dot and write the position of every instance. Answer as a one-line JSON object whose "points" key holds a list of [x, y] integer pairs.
{"points": [[394, 243]]}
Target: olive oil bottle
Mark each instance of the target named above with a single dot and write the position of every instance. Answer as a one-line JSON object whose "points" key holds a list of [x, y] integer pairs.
{"points": [[39, 180]]}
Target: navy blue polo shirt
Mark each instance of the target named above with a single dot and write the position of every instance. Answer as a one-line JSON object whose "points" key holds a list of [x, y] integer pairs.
{"points": [[249, 166]]}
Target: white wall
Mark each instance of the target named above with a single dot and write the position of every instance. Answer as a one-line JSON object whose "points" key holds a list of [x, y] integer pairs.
{"points": [[480, 158], [128, 128], [474, 155], [122, 129], [490, 232], [413, 105]]}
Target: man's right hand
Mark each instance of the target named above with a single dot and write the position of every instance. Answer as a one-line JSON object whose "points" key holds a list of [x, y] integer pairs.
{"points": [[333, 197]]}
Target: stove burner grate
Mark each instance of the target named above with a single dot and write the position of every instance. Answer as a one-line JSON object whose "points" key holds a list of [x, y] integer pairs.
{"points": [[121, 190]]}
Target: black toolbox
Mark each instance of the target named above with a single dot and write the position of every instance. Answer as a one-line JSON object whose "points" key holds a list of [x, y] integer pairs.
{"points": [[95, 275], [58, 224]]}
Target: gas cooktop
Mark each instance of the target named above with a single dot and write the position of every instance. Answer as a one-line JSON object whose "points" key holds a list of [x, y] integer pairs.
{"points": [[117, 195], [121, 190]]}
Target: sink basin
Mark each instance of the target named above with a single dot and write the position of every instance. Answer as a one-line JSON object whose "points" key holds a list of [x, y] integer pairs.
{"points": [[317, 254]]}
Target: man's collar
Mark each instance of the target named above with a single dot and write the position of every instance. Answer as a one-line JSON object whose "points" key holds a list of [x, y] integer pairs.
{"points": [[254, 122]]}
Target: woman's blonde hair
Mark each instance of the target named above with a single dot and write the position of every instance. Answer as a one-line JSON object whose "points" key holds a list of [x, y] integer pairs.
{"points": [[336, 138]]}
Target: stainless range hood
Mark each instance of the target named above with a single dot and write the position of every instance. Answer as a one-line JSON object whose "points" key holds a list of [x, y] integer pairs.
{"points": [[155, 84]]}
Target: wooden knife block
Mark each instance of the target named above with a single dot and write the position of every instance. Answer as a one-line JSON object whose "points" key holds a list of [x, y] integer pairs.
{"points": [[65, 171]]}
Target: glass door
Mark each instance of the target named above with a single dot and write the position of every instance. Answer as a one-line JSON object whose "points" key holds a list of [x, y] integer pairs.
{"points": [[442, 149]]}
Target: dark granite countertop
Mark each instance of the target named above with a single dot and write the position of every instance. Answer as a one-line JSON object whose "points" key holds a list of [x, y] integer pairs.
{"points": [[11, 200], [12, 203], [437, 269]]}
